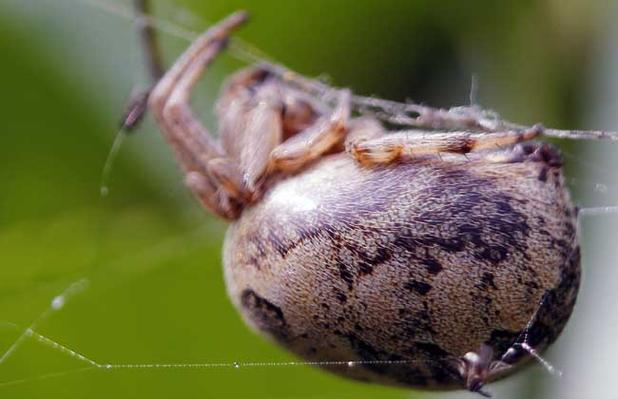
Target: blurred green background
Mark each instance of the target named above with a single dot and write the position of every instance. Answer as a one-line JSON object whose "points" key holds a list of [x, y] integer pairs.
{"points": [[152, 256]]}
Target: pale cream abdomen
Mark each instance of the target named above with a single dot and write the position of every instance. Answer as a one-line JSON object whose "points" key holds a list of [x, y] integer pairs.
{"points": [[418, 262]]}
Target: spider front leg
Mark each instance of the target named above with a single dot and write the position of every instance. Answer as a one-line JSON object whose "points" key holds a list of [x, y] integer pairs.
{"points": [[327, 132], [208, 174], [270, 127], [251, 125], [403, 145]]}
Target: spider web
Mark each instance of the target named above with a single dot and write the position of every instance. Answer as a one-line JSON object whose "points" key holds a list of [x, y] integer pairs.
{"points": [[602, 186]]}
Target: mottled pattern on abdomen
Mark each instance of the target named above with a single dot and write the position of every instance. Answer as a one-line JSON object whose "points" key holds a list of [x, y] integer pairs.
{"points": [[421, 262]]}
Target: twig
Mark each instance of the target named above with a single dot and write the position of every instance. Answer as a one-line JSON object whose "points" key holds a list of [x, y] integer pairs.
{"points": [[148, 40], [138, 101]]}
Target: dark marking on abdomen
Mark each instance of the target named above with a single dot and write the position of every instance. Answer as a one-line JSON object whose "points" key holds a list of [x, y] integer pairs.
{"points": [[419, 287], [433, 266], [266, 315]]}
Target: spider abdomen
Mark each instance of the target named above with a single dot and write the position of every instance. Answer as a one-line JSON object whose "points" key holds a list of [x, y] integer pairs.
{"points": [[405, 268]]}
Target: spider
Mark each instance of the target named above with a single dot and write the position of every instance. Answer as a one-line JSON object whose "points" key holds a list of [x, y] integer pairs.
{"points": [[441, 256]]}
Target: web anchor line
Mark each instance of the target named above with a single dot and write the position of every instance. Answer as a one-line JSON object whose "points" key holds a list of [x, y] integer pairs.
{"points": [[96, 365], [598, 211], [57, 303], [29, 332]]}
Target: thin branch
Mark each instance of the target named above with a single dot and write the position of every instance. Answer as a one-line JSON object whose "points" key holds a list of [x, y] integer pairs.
{"points": [[137, 105], [148, 39]]}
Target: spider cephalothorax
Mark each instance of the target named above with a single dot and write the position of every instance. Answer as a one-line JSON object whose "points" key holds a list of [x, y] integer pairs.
{"points": [[401, 252]]}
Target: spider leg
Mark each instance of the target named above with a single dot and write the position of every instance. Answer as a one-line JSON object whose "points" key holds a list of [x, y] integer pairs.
{"points": [[226, 175], [324, 134], [363, 128], [404, 145], [425, 117], [249, 110], [191, 142], [210, 196], [263, 132]]}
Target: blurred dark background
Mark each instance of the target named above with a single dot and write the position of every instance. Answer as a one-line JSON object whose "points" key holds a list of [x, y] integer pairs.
{"points": [[152, 256]]}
